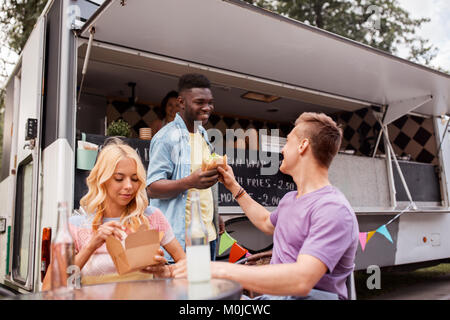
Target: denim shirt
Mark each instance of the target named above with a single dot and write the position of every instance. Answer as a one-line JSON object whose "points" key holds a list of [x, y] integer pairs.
{"points": [[170, 159]]}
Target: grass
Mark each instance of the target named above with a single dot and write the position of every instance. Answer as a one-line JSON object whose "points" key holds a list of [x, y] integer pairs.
{"points": [[396, 280]]}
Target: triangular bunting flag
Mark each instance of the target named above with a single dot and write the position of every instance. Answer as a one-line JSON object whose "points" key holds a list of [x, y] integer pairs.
{"points": [[370, 235], [236, 253], [384, 231], [226, 241], [363, 239]]}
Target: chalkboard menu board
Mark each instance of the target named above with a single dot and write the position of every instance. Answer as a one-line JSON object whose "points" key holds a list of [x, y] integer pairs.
{"points": [[267, 190], [142, 147]]}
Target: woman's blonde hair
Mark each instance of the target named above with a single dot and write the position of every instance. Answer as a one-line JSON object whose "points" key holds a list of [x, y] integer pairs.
{"points": [[105, 166]]}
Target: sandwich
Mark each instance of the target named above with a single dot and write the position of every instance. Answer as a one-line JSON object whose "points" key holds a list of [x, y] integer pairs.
{"points": [[214, 161]]}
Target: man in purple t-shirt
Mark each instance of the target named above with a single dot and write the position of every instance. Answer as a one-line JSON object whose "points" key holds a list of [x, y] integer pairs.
{"points": [[314, 229]]}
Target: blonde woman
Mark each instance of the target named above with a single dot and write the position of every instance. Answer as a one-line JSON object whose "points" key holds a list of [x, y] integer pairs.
{"points": [[115, 205]]}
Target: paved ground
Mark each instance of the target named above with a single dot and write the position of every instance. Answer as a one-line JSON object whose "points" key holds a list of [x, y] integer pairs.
{"points": [[425, 284]]}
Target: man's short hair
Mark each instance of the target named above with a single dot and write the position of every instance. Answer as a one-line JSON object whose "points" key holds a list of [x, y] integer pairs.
{"points": [[324, 134], [193, 80]]}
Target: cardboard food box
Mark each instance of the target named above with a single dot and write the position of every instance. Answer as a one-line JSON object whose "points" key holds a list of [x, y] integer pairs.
{"points": [[140, 249]]}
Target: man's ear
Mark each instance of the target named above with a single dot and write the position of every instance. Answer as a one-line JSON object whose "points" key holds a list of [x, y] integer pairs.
{"points": [[181, 104], [304, 144]]}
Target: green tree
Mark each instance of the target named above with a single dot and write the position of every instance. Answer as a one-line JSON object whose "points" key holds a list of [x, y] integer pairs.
{"points": [[2, 117], [382, 24], [17, 20]]}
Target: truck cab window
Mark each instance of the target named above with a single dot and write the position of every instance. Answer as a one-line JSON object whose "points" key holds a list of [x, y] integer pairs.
{"points": [[22, 221]]}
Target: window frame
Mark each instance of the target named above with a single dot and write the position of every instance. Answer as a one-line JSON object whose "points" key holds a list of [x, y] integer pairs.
{"points": [[16, 243]]}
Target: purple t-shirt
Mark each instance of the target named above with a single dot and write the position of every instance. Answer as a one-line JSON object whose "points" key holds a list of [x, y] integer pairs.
{"points": [[321, 224]]}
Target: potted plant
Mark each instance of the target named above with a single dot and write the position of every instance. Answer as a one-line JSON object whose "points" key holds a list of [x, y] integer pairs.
{"points": [[119, 128]]}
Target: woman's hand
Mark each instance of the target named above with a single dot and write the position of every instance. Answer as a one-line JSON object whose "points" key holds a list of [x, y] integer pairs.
{"points": [[160, 270], [112, 228]]}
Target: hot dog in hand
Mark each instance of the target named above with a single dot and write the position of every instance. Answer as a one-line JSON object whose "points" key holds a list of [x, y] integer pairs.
{"points": [[214, 161]]}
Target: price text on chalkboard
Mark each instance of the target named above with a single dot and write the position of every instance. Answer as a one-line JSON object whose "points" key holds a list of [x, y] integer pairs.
{"points": [[267, 190]]}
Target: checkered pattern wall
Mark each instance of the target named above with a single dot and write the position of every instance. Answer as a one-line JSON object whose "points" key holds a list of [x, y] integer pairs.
{"points": [[141, 117], [410, 136], [414, 136], [360, 131]]}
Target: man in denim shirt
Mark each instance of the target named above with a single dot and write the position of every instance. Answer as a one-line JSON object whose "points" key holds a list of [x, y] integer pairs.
{"points": [[171, 172]]}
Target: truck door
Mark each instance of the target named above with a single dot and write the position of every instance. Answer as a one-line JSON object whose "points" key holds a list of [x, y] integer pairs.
{"points": [[26, 137]]}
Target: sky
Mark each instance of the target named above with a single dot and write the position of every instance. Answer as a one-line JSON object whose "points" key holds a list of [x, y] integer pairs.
{"points": [[437, 31]]}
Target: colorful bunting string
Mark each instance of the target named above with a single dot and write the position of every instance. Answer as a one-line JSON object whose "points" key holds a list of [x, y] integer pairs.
{"points": [[370, 235], [226, 241], [384, 231], [364, 237], [236, 252]]}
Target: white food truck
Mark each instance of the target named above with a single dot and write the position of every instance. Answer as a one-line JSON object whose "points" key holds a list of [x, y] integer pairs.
{"points": [[88, 63]]}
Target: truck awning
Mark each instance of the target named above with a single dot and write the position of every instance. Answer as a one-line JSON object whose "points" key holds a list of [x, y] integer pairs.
{"points": [[234, 36]]}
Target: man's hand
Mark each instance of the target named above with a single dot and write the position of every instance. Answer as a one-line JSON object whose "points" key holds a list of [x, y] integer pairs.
{"points": [[258, 215], [218, 269], [180, 269], [227, 178], [168, 189], [221, 226], [204, 179]]}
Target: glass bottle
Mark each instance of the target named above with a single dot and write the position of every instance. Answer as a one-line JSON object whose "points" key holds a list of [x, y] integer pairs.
{"points": [[198, 252], [63, 252]]}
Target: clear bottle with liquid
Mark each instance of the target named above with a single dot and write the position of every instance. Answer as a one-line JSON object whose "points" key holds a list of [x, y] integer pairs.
{"points": [[198, 252], [63, 251]]}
